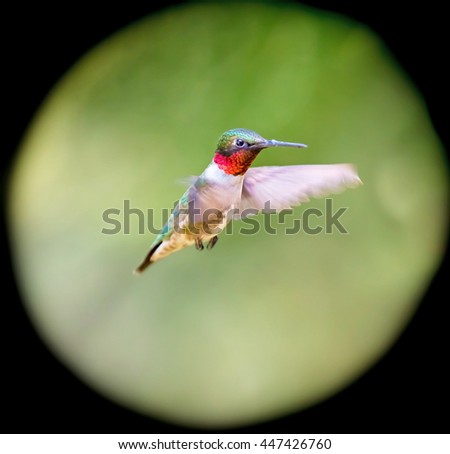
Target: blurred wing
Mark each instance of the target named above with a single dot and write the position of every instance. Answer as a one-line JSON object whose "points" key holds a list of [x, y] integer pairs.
{"points": [[206, 200], [278, 188], [187, 181]]}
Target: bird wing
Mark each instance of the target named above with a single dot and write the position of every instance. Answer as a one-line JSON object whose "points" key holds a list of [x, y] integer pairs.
{"points": [[203, 202], [187, 181], [278, 188]]}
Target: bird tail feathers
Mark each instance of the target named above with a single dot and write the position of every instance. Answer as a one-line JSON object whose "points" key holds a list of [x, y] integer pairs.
{"points": [[147, 261]]}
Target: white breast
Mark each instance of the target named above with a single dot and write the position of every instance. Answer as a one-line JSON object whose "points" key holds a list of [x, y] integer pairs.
{"points": [[214, 175], [221, 190]]}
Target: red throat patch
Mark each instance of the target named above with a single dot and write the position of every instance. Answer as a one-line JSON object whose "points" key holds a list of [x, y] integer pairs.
{"points": [[237, 163]]}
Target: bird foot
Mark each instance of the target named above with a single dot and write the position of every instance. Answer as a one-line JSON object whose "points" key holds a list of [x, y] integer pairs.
{"points": [[212, 242], [199, 245]]}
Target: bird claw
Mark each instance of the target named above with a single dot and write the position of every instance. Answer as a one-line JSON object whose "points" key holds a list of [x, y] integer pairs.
{"points": [[212, 242], [199, 245]]}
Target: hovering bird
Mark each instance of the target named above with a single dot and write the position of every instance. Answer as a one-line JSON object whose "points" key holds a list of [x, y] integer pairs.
{"points": [[229, 189]]}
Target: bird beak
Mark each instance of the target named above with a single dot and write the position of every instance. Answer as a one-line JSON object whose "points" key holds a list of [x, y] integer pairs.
{"points": [[277, 143]]}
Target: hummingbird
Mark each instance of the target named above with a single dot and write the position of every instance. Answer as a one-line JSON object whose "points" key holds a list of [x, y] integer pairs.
{"points": [[230, 189]]}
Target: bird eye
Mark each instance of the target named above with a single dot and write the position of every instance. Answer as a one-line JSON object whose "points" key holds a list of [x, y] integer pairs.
{"points": [[240, 143]]}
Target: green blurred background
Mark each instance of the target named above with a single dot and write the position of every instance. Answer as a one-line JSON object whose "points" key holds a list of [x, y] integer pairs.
{"points": [[263, 325]]}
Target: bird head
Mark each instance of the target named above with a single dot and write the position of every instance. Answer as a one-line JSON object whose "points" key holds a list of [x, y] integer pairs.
{"points": [[237, 148]]}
